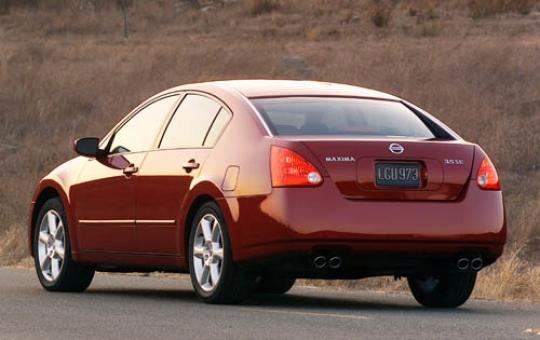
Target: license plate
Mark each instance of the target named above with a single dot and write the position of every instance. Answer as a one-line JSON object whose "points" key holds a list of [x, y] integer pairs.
{"points": [[403, 175]]}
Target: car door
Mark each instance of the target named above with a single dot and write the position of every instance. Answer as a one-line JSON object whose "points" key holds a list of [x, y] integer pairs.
{"points": [[167, 173], [104, 199]]}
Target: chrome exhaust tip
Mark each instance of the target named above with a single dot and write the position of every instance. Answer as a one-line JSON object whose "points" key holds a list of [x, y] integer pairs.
{"points": [[319, 262], [334, 262], [477, 263], [463, 263]]}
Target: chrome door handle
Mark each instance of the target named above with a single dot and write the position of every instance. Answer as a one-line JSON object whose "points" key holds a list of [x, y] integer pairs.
{"points": [[191, 165], [130, 170]]}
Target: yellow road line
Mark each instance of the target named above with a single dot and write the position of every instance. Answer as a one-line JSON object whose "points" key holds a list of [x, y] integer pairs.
{"points": [[324, 315]]}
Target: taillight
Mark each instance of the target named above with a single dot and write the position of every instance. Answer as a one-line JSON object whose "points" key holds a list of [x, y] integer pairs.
{"points": [[289, 169], [487, 177]]}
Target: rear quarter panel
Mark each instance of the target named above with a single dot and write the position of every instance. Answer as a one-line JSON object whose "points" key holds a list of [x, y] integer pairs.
{"points": [[245, 145]]}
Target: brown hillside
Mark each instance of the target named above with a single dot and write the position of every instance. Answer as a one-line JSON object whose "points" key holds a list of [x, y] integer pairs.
{"points": [[66, 70]]}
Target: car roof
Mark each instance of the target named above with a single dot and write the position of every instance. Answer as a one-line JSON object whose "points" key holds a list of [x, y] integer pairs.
{"points": [[277, 88]]}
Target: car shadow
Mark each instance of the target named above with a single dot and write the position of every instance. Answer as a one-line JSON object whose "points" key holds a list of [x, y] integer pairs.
{"points": [[155, 294], [298, 300], [362, 302]]}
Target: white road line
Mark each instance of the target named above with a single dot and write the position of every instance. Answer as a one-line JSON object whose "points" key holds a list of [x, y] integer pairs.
{"points": [[324, 315]]}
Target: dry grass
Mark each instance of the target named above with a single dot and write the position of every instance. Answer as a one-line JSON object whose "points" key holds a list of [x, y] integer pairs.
{"points": [[380, 12], [510, 279], [13, 248], [68, 72], [258, 7], [487, 8]]}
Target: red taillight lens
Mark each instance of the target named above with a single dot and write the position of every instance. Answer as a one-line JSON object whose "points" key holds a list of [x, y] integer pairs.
{"points": [[289, 169], [487, 177]]}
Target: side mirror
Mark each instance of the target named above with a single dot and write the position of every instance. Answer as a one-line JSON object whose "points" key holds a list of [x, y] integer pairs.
{"points": [[87, 146]]}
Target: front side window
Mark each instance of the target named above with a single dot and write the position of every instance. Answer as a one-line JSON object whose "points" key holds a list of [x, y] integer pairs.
{"points": [[189, 126], [336, 116], [140, 132]]}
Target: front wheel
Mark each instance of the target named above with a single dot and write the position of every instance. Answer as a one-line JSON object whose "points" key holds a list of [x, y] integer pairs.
{"points": [[443, 290], [214, 275], [52, 252]]}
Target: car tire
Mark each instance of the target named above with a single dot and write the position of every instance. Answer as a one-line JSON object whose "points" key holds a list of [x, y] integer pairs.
{"points": [[216, 278], [444, 290], [268, 284], [55, 268]]}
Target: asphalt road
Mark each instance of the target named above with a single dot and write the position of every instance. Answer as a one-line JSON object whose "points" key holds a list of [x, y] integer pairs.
{"points": [[135, 307]]}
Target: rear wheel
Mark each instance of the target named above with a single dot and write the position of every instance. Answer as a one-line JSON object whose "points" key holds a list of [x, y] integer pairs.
{"points": [[269, 284], [444, 290], [214, 275], [52, 252]]}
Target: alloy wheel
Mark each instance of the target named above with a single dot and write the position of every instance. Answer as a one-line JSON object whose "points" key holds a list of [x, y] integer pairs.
{"points": [[51, 245], [208, 252]]}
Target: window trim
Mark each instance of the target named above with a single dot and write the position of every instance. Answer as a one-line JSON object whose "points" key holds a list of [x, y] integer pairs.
{"points": [[217, 100], [211, 125], [222, 129]]}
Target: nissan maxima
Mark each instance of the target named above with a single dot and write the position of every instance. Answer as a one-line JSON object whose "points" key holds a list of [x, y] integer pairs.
{"points": [[249, 185]]}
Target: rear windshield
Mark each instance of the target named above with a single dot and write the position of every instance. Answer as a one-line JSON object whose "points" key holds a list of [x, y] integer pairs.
{"points": [[317, 116]]}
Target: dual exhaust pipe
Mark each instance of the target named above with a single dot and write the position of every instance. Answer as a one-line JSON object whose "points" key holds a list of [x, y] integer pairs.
{"points": [[321, 262], [335, 262], [465, 264]]}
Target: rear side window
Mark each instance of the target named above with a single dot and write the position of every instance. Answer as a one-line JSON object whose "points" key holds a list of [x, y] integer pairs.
{"points": [[140, 131], [317, 116], [218, 126], [189, 126]]}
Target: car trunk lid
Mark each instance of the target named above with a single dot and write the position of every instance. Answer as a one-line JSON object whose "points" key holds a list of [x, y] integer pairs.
{"points": [[370, 170]]}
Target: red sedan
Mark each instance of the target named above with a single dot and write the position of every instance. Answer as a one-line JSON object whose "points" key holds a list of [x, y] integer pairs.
{"points": [[251, 184]]}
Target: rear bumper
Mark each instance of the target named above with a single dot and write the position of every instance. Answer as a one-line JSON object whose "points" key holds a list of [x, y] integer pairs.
{"points": [[308, 220], [374, 259]]}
